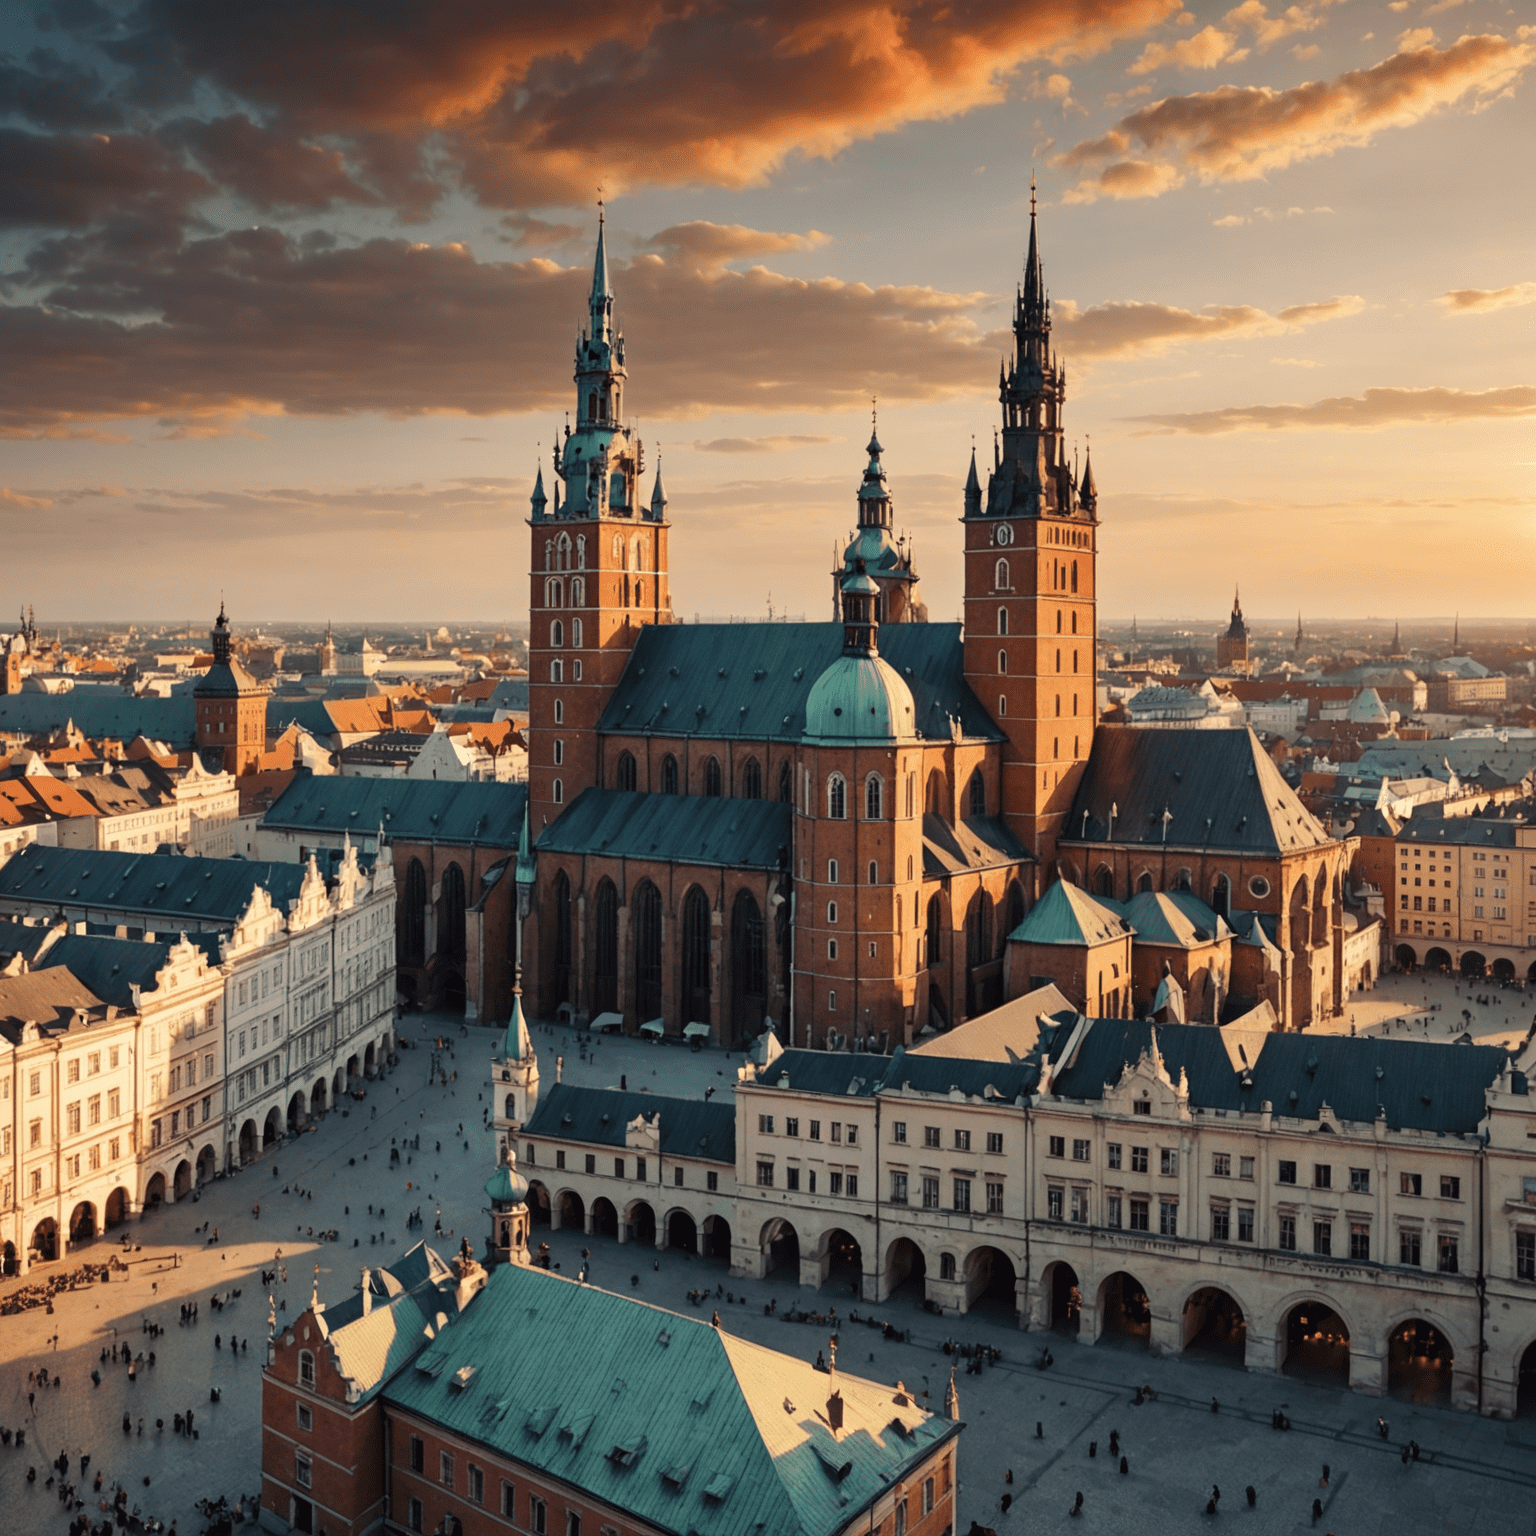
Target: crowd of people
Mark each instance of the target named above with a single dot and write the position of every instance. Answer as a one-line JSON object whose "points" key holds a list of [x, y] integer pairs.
{"points": [[44, 1292]]}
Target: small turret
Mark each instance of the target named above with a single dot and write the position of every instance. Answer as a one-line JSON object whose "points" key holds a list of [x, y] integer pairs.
{"points": [[1088, 492], [538, 501], [973, 488], [219, 635], [658, 497]]}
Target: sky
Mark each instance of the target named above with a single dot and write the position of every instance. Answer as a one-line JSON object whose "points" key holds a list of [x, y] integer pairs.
{"points": [[289, 292]]}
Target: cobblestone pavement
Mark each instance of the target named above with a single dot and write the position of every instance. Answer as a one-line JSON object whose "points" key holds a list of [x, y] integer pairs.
{"points": [[1428, 1005], [1475, 1475]]}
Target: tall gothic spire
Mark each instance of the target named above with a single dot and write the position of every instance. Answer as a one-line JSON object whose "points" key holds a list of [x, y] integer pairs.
{"points": [[601, 301]]}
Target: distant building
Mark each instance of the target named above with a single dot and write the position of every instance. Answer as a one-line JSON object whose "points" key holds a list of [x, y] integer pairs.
{"points": [[231, 707], [1232, 646]]}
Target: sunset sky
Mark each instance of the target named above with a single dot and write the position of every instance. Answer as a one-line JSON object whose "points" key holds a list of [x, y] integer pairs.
{"points": [[288, 291]]}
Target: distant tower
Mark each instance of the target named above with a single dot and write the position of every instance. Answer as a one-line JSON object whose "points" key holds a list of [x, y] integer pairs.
{"points": [[1296, 645], [328, 653], [886, 559], [514, 1076], [231, 707], [1397, 652], [1456, 637], [1232, 647], [1030, 588], [507, 1190]]}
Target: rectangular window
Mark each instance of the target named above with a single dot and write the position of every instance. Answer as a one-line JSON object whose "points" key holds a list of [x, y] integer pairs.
{"points": [[930, 1194], [995, 1142], [994, 1198], [72, 1119], [1221, 1165], [572, 1523], [1525, 1255], [1168, 1218], [72, 1071], [765, 1175], [1169, 1161], [1112, 1212], [962, 1140], [1140, 1215], [591, 1162], [418, 1454], [1450, 1188], [791, 1126], [1080, 1207], [476, 1488], [306, 1417], [791, 1177], [1287, 1174], [712, 1181], [930, 1136], [1221, 1224], [853, 1186], [445, 1468], [962, 1195], [93, 1110], [509, 1501], [1141, 1107], [413, 1514], [1079, 1150], [677, 1177], [835, 1131], [1138, 1159], [1245, 1167], [853, 1137], [114, 1103], [538, 1516], [1322, 1238], [618, 1167], [559, 1157], [815, 1130], [1408, 1251], [1056, 1146], [1322, 1176], [1245, 1223], [303, 1470], [1359, 1242], [1112, 1154], [898, 1189], [835, 1181], [1410, 1183], [1055, 1202], [765, 1125], [640, 1169], [1288, 1233], [1359, 1181], [899, 1131], [1449, 1246], [927, 1495]]}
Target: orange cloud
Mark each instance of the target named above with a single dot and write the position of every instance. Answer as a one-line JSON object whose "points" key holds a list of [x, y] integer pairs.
{"points": [[1205, 50], [1372, 411], [713, 245], [1140, 329], [1476, 301], [1241, 133], [27, 503]]}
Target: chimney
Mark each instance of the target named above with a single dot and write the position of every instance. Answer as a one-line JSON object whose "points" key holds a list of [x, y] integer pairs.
{"points": [[367, 1292]]}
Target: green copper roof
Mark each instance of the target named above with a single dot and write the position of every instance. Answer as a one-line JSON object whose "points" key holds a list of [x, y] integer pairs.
{"points": [[506, 1186], [859, 698], [515, 1042], [1067, 914]]}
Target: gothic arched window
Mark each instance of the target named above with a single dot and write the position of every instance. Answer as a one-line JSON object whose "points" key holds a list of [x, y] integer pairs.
{"points": [[751, 780], [563, 551], [837, 797], [669, 775], [1002, 662], [712, 784], [1001, 581], [554, 596], [872, 798], [1002, 621], [1074, 575], [581, 551], [576, 632], [557, 671], [578, 592], [934, 943], [557, 633], [624, 771], [786, 783], [559, 712], [978, 794]]}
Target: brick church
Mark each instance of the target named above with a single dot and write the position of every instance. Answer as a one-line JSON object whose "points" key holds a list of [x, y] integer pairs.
{"points": [[838, 827]]}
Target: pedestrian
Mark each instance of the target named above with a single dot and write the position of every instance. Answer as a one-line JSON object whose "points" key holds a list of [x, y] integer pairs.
{"points": [[1114, 1442], [1215, 1406], [1381, 1428], [1005, 1503], [1317, 1510], [1413, 1446], [1405, 1455], [1322, 1482], [1253, 1496], [1093, 1449], [1215, 1493], [1077, 1505], [1008, 1478], [1125, 1466], [1039, 1430]]}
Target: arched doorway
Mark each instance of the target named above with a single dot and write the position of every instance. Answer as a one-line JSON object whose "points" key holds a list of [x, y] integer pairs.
{"points": [[116, 1211], [781, 1249], [647, 951], [749, 968], [247, 1141], [1503, 970], [906, 1270], [605, 949], [682, 1232], [82, 1223], [317, 1099], [991, 1282], [979, 990], [1438, 960], [538, 1204], [696, 927], [413, 915], [842, 1260], [272, 1131], [207, 1164], [640, 1222], [717, 1238], [563, 944], [154, 1191], [1066, 1298], [370, 1063], [1473, 965], [354, 1068], [1125, 1313], [573, 1211], [605, 1219], [1525, 1386], [45, 1241], [1214, 1326], [8, 1264], [1419, 1361], [182, 1183], [296, 1114], [1406, 957], [1316, 1343]]}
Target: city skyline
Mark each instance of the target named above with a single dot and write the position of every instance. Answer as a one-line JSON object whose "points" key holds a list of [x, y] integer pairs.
{"points": [[271, 317]]}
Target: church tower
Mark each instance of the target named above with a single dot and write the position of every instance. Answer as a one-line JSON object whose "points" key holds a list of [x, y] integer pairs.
{"points": [[876, 550], [1031, 543], [599, 566], [1232, 653], [231, 707]]}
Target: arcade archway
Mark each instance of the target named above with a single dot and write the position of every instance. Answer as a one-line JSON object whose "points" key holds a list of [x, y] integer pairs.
{"points": [[538, 1204], [116, 1212], [247, 1141], [1124, 1311], [844, 1260], [906, 1270], [682, 1232], [45, 1240], [781, 1249], [154, 1192], [991, 1281], [640, 1221], [1214, 1326], [1316, 1343], [573, 1212], [1419, 1362], [1065, 1298], [207, 1164], [717, 1238], [605, 1219], [82, 1223], [182, 1183]]}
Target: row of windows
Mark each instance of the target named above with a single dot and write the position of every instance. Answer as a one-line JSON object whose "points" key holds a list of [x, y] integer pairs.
{"points": [[711, 1178], [1002, 626], [1063, 577], [837, 1130], [1002, 667], [558, 552], [840, 1181], [931, 1137]]}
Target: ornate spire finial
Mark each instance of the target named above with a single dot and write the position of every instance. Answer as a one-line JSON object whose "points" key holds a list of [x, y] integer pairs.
{"points": [[1031, 193]]}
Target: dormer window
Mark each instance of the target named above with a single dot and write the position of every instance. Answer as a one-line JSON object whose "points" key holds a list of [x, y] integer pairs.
{"points": [[306, 1370]]}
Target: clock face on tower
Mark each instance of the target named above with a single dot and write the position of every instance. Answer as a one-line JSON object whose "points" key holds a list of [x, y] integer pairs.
{"points": [[1004, 533]]}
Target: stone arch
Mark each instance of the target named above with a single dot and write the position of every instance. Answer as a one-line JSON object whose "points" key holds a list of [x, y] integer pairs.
{"points": [[154, 1191], [715, 1238], [207, 1164], [1144, 881], [750, 780], [714, 783], [1063, 1297], [1124, 1310], [906, 1269], [605, 948], [413, 914], [780, 1246], [605, 1218], [1525, 1381], [837, 797], [1313, 1337], [572, 1209], [640, 1222], [1421, 1359], [1301, 913], [1214, 1322], [1473, 965], [1503, 969], [697, 926], [82, 1223], [298, 1115], [539, 1204], [248, 1141], [116, 1210], [647, 904], [8, 1262], [1405, 957], [842, 1258], [1437, 959], [1104, 881], [682, 1229], [181, 1183], [370, 1059], [272, 1128], [318, 1098], [45, 1240], [990, 1275]]}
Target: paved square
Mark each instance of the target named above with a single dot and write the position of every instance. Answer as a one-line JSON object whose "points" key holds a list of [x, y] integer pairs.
{"points": [[1475, 1475]]}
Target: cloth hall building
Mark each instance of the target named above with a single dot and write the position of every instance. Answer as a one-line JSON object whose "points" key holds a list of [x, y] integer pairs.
{"points": [[841, 827]]}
